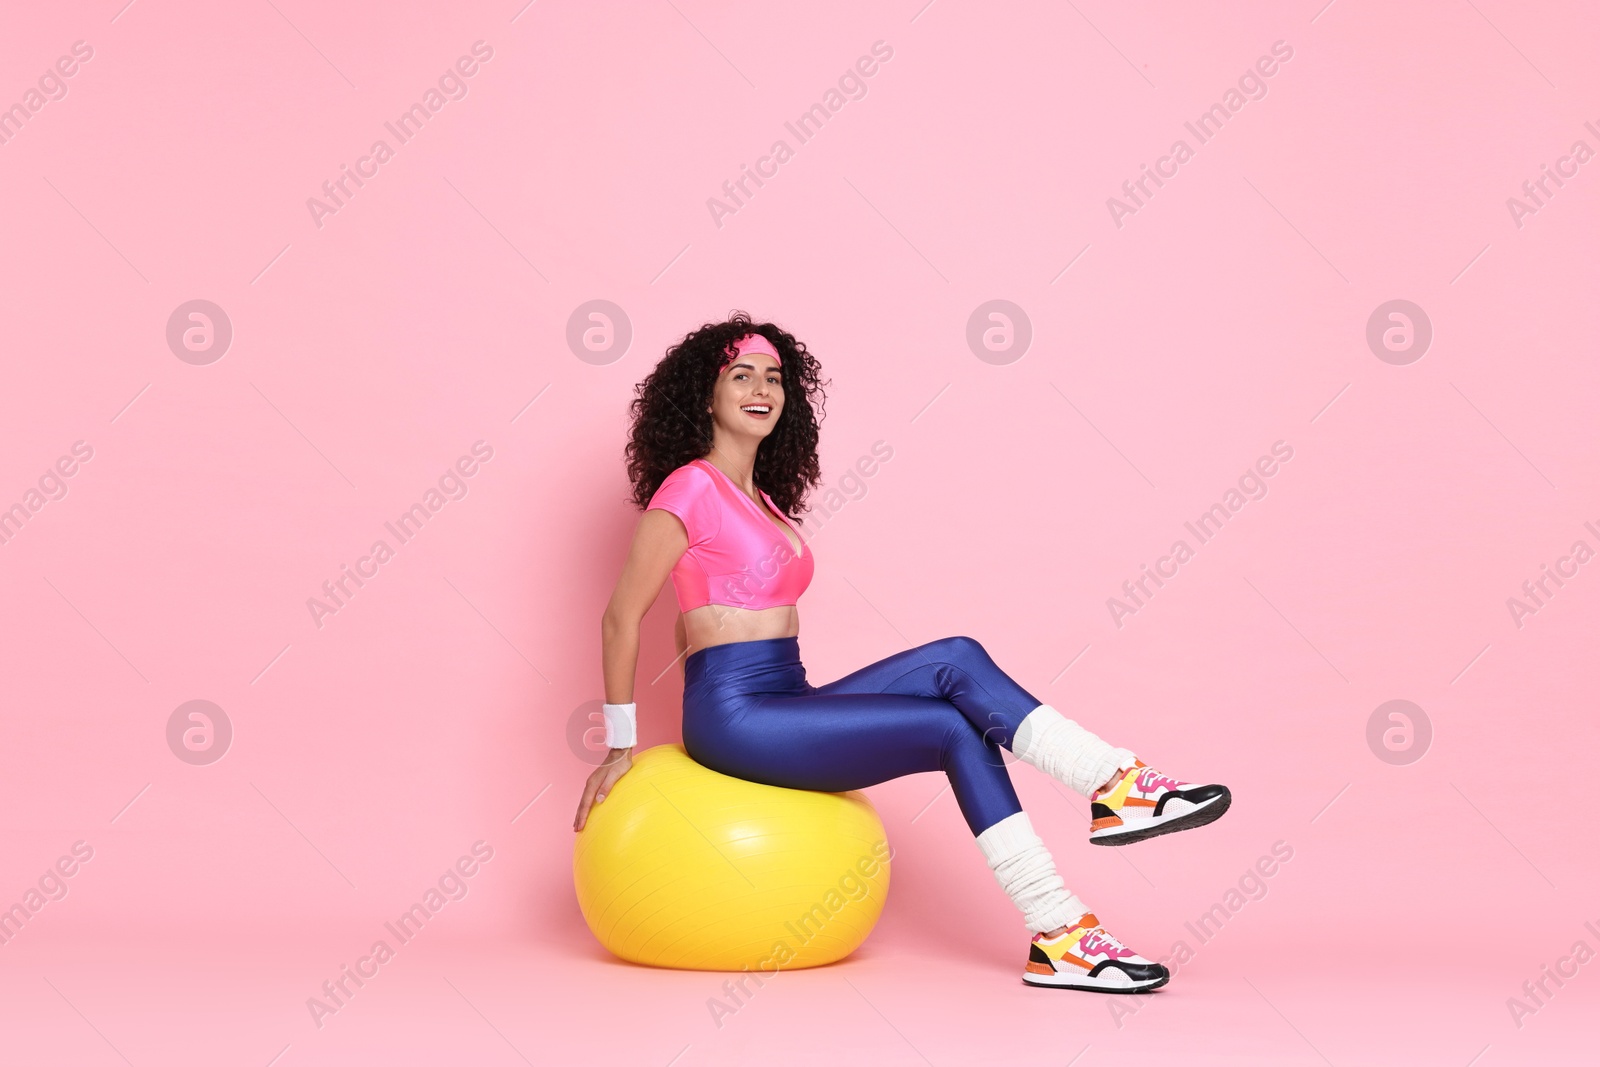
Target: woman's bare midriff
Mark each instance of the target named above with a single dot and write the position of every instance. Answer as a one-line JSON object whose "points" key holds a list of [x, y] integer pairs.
{"points": [[716, 624]]}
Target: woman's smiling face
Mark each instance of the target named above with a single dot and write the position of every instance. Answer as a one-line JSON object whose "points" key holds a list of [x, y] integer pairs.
{"points": [[749, 395]]}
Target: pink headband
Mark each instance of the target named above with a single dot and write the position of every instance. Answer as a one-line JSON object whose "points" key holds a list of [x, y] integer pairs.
{"points": [[751, 342]]}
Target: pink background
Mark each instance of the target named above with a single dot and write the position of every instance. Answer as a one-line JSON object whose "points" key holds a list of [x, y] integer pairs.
{"points": [[368, 354]]}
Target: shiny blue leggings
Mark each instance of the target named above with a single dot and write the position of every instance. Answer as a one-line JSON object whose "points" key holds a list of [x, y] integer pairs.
{"points": [[749, 712]]}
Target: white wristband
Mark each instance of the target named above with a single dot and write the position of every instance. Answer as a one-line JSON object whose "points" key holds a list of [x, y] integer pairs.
{"points": [[620, 729]]}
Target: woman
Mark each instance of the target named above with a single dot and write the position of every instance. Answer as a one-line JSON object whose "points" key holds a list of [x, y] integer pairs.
{"points": [[723, 449]]}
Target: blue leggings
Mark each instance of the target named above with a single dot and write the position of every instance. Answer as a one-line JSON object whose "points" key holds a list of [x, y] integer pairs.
{"points": [[749, 712]]}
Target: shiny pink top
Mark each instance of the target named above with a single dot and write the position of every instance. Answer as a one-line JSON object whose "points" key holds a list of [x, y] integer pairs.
{"points": [[737, 556]]}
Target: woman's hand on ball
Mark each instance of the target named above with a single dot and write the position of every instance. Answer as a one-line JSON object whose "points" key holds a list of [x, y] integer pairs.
{"points": [[600, 782]]}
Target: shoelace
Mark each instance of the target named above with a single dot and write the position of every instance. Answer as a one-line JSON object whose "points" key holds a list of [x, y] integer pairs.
{"points": [[1100, 942], [1150, 780]]}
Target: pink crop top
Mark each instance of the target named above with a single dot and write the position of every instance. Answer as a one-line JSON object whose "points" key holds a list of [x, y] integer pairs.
{"points": [[737, 556]]}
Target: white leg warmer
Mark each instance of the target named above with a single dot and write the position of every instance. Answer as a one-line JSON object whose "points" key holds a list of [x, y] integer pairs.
{"points": [[1024, 869], [1062, 749]]}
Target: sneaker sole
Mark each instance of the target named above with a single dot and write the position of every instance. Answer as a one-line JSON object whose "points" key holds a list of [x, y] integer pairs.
{"points": [[1208, 812], [1091, 985]]}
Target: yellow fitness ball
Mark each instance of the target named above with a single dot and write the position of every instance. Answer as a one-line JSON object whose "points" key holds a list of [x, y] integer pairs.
{"points": [[680, 866]]}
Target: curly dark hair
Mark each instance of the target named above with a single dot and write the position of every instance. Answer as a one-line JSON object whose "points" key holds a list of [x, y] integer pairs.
{"points": [[671, 425]]}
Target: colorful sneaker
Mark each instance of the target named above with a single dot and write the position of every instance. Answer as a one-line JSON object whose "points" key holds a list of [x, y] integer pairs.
{"points": [[1087, 957], [1146, 803]]}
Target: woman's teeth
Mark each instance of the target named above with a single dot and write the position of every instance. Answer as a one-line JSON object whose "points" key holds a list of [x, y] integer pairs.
{"points": [[757, 409]]}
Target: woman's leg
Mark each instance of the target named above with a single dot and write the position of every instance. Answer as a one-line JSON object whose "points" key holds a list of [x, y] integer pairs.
{"points": [[840, 741], [959, 670], [843, 741]]}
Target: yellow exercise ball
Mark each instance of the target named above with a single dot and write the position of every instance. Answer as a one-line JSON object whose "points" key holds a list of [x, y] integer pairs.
{"points": [[680, 866]]}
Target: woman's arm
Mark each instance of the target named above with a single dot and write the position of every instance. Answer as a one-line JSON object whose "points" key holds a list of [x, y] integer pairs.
{"points": [[658, 542]]}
